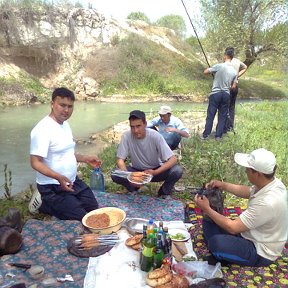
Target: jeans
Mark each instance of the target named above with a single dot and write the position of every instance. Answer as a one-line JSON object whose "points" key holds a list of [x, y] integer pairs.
{"points": [[170, 177], [231, 248], [231, 111], [217, 101], [67, 205]]}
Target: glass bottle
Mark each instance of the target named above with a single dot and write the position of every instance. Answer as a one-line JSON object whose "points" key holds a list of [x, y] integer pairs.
{"points": [[147, 254], [159, 253]]}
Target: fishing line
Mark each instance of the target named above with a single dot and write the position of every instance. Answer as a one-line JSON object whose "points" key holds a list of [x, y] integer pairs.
{"points": [[196, 33]]}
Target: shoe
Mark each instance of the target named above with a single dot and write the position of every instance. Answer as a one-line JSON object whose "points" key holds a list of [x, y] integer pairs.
{"points": [[163, 196], [166, 197], [218, 138], [202, 137], [143, 189], [35, 202]]}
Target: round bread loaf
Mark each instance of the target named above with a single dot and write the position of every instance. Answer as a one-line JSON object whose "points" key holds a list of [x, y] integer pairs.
{"points": [[159, 281], [159, 272], [134, 240], [178, 281], [136, 246]]}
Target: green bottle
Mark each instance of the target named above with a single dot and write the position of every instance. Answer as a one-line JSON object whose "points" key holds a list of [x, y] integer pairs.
{"points": [[159, 253], [148, 247]]}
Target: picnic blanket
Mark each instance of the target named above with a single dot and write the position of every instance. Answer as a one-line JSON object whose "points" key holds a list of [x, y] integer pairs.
{"points": [[275, 275], [142, 206], [45, 242]]}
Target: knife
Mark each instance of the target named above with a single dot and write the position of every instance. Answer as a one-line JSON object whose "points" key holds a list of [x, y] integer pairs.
{"points": [[20, 265]]}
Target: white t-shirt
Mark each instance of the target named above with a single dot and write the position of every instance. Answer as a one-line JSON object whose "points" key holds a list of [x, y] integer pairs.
{"points": [[54, 142], [146, 153], [267, 219]]}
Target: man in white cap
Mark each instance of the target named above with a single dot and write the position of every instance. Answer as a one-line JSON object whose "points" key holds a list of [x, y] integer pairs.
{"points": [[169, 126], [258, 236]]}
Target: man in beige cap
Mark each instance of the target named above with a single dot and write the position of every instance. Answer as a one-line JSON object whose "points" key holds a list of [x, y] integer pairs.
{"points": [[169, 126], [258, 236]]}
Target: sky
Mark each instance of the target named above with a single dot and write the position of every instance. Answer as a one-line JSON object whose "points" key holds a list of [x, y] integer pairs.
{"points": [[153, 9]]}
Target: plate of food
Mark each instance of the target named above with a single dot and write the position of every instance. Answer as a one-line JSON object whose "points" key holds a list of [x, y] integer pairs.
{"points": [[179, 235], [139, 178]]}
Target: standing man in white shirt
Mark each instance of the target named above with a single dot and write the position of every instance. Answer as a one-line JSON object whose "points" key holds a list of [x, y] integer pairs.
{"points": [[240, 69]]}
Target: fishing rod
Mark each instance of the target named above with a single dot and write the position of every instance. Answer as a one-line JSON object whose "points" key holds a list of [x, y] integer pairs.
{"points": [[196, 33]]}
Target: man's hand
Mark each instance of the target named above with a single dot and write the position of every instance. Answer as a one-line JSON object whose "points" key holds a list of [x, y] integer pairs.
{"points": [[170, 129], [93, 161], [202, 202], [214, 184], [65, 183], [151, 172]]}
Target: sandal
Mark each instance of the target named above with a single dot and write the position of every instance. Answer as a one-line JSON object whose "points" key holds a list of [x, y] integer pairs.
{"points": [[35, 202]]}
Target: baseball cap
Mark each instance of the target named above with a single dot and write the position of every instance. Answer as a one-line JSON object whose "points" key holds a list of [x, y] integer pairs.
{"points": [[137, 114], [164, 110], [260, 160]]}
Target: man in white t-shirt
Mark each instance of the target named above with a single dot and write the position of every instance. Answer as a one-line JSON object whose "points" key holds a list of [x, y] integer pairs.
{"points": [[258, 236], [240, 69], [148, 151], [52, 155]]}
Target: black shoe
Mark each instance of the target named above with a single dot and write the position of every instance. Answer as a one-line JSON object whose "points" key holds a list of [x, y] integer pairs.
{"points": [[210, 283], [210, 259], [213, 261]]}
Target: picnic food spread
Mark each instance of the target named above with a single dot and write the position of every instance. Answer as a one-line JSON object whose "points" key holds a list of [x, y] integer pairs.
{"points": [[156, 252], [139, 178]]}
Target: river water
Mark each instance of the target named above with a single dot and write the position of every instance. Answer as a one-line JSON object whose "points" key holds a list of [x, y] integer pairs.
{"points": [[87, 119]]}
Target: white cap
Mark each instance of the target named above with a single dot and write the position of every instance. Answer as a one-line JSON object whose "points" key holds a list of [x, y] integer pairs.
{"points": [[260, 160], [165, 110]]}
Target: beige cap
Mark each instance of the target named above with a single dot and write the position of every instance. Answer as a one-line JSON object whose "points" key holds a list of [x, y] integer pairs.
{"points": [[164, 110]]}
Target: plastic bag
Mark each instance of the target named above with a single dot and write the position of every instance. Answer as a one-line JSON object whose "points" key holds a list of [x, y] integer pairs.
{"points": [[198, 269]]}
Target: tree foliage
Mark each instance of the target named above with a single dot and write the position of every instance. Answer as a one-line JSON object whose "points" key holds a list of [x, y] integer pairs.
{"points": [[254, 27], [138, 16], [174, 22]]}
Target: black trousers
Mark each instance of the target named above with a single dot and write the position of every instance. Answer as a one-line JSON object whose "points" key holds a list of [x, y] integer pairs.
{"points": [[67, 205]]}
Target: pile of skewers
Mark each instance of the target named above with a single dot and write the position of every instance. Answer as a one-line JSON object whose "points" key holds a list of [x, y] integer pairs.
{"points": [[89, 241]]}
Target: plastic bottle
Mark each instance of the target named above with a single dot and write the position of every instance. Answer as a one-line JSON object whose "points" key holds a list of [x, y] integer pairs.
{"points": [[147, 254], [97, 181], [150, 227]]}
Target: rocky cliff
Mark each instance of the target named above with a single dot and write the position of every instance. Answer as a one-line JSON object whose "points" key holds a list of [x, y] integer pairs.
{"points": [[54, 46]]}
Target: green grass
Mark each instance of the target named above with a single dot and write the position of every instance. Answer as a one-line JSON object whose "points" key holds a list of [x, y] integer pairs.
{"points": [[256, 127], [260, 124]]}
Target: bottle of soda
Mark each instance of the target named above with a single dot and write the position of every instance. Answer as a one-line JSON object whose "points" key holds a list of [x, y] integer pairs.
{"points": [[167, 244], [143, 240], [160, 229], [150, 227], [147, 254], [97, 181], [158, 253]]}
